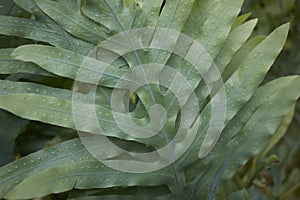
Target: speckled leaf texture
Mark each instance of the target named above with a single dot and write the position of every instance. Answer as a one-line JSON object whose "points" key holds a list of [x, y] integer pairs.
{"points": [[58, 36]]}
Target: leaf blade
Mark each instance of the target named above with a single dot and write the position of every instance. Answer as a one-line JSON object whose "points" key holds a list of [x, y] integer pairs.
{"points": [[58, 168], [73, 23]]}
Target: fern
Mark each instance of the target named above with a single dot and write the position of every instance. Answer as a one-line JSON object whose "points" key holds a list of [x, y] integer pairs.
{"points": [[62, 35]]}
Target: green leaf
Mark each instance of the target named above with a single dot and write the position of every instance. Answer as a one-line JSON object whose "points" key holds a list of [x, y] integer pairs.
{"points": [[114, 16], [10, 87], [235, 40], [73, 5], [64, 40], [9, 8], [31, 7], [8, 65], [149, 13], [244, 81], [206, 33], [212, 34], [241, 55], [279, 132], [67, 63], [74, 28], [242, 84], [72, 22], [247, 133], [174, 14], [26, 28], [259, 161], [240, 20], [35, 30], [265, 119], [54, 106], [63, 167]]}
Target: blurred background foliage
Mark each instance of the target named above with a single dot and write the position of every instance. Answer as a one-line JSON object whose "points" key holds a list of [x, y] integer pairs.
{"points": [[273, 174]]}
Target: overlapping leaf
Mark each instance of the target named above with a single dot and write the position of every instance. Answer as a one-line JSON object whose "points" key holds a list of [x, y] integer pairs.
{"points": [[74, 29], [8, 65], [66, 166], [248, 132]]}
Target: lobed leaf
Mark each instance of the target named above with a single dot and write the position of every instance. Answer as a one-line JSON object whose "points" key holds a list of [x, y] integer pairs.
{"points": [[249, 131], [8, 65], [67, 64], [241, 55], [234, 43], [63, 167], [253, 114], [35, 30], [115, 16], [54, 106], [235, 40], [75, 24], [242, 85], [244, 81]]}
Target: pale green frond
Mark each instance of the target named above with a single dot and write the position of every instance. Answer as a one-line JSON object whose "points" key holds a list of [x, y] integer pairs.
{"points": [[66, 166], [8, 65]]}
